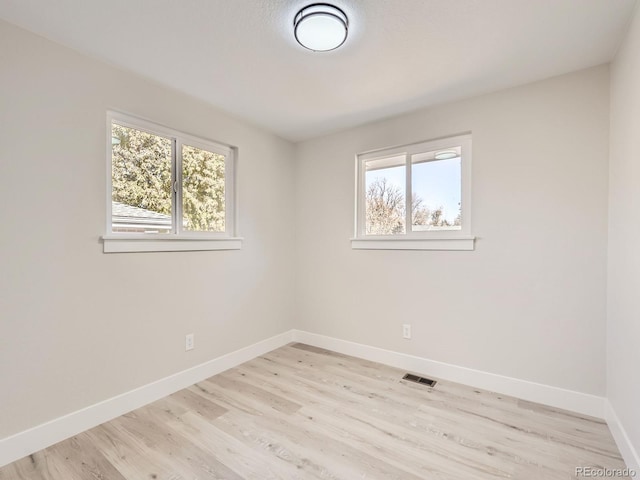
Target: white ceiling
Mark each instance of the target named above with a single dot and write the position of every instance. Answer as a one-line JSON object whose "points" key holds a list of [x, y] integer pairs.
{"points": [[240, 55]]}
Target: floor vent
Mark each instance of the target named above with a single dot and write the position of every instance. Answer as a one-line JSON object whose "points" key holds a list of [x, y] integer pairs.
{"points": [[415, 378]]}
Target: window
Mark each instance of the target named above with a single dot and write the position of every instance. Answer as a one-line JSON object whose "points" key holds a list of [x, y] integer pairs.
{"points": [[415, 197], [167, 190]]}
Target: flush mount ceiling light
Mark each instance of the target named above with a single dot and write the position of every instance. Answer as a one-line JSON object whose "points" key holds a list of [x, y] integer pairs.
{"points": [[320, 27], [446, 154]]}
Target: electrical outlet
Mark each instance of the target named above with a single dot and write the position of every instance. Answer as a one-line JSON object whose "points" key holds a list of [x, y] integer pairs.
{"points": [[188, 342], [406, 331]]}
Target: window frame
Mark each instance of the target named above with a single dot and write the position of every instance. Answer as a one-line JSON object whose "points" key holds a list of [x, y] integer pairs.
{"points": [[178, 239], [461, 239]]}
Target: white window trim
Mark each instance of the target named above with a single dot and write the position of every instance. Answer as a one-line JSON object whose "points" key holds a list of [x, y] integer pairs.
{"points": [[178, 239], [121, 243], [429, 240]]}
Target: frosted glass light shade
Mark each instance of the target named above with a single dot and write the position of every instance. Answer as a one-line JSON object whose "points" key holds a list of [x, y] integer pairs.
{"points": [[446, 154], [321, 27]]}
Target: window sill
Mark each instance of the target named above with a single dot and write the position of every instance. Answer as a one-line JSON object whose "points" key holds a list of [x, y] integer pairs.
{"points": [[440, 243], [134, 243]]}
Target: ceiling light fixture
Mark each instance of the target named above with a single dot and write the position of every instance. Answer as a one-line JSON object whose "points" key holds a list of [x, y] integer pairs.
{"points": [[320, 27], [446, 154]]}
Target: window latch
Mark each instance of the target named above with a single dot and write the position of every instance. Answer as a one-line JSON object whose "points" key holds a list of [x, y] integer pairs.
{"points": [[175, 186]]}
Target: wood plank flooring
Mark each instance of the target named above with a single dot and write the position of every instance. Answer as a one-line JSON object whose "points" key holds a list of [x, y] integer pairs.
{"points": [[304, 413]]}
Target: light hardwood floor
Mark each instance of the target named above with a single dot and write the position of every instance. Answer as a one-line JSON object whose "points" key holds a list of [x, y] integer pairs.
{"points": [[304, 413]]}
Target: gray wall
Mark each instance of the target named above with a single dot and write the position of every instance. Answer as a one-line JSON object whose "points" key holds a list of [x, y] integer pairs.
{"points": [[530, 301], [78, 326], [623, 322]]}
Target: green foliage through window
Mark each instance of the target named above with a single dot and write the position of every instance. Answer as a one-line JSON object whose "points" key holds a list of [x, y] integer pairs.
{"points": [[141, 169], [142, 179], [202, 190]]}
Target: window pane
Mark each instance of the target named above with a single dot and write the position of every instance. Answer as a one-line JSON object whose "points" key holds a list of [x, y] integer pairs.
{"points": [[202, 190], [141, 181], [436, 190], [385, 190]]}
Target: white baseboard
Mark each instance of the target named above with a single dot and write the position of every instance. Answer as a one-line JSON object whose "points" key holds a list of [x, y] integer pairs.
{"points": [[25, 443], [29, 441], [583, 403], [629, 453]]}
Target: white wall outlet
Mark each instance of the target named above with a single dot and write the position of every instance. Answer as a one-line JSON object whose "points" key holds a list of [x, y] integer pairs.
{"points": [[406, 330], [188, 342]]}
